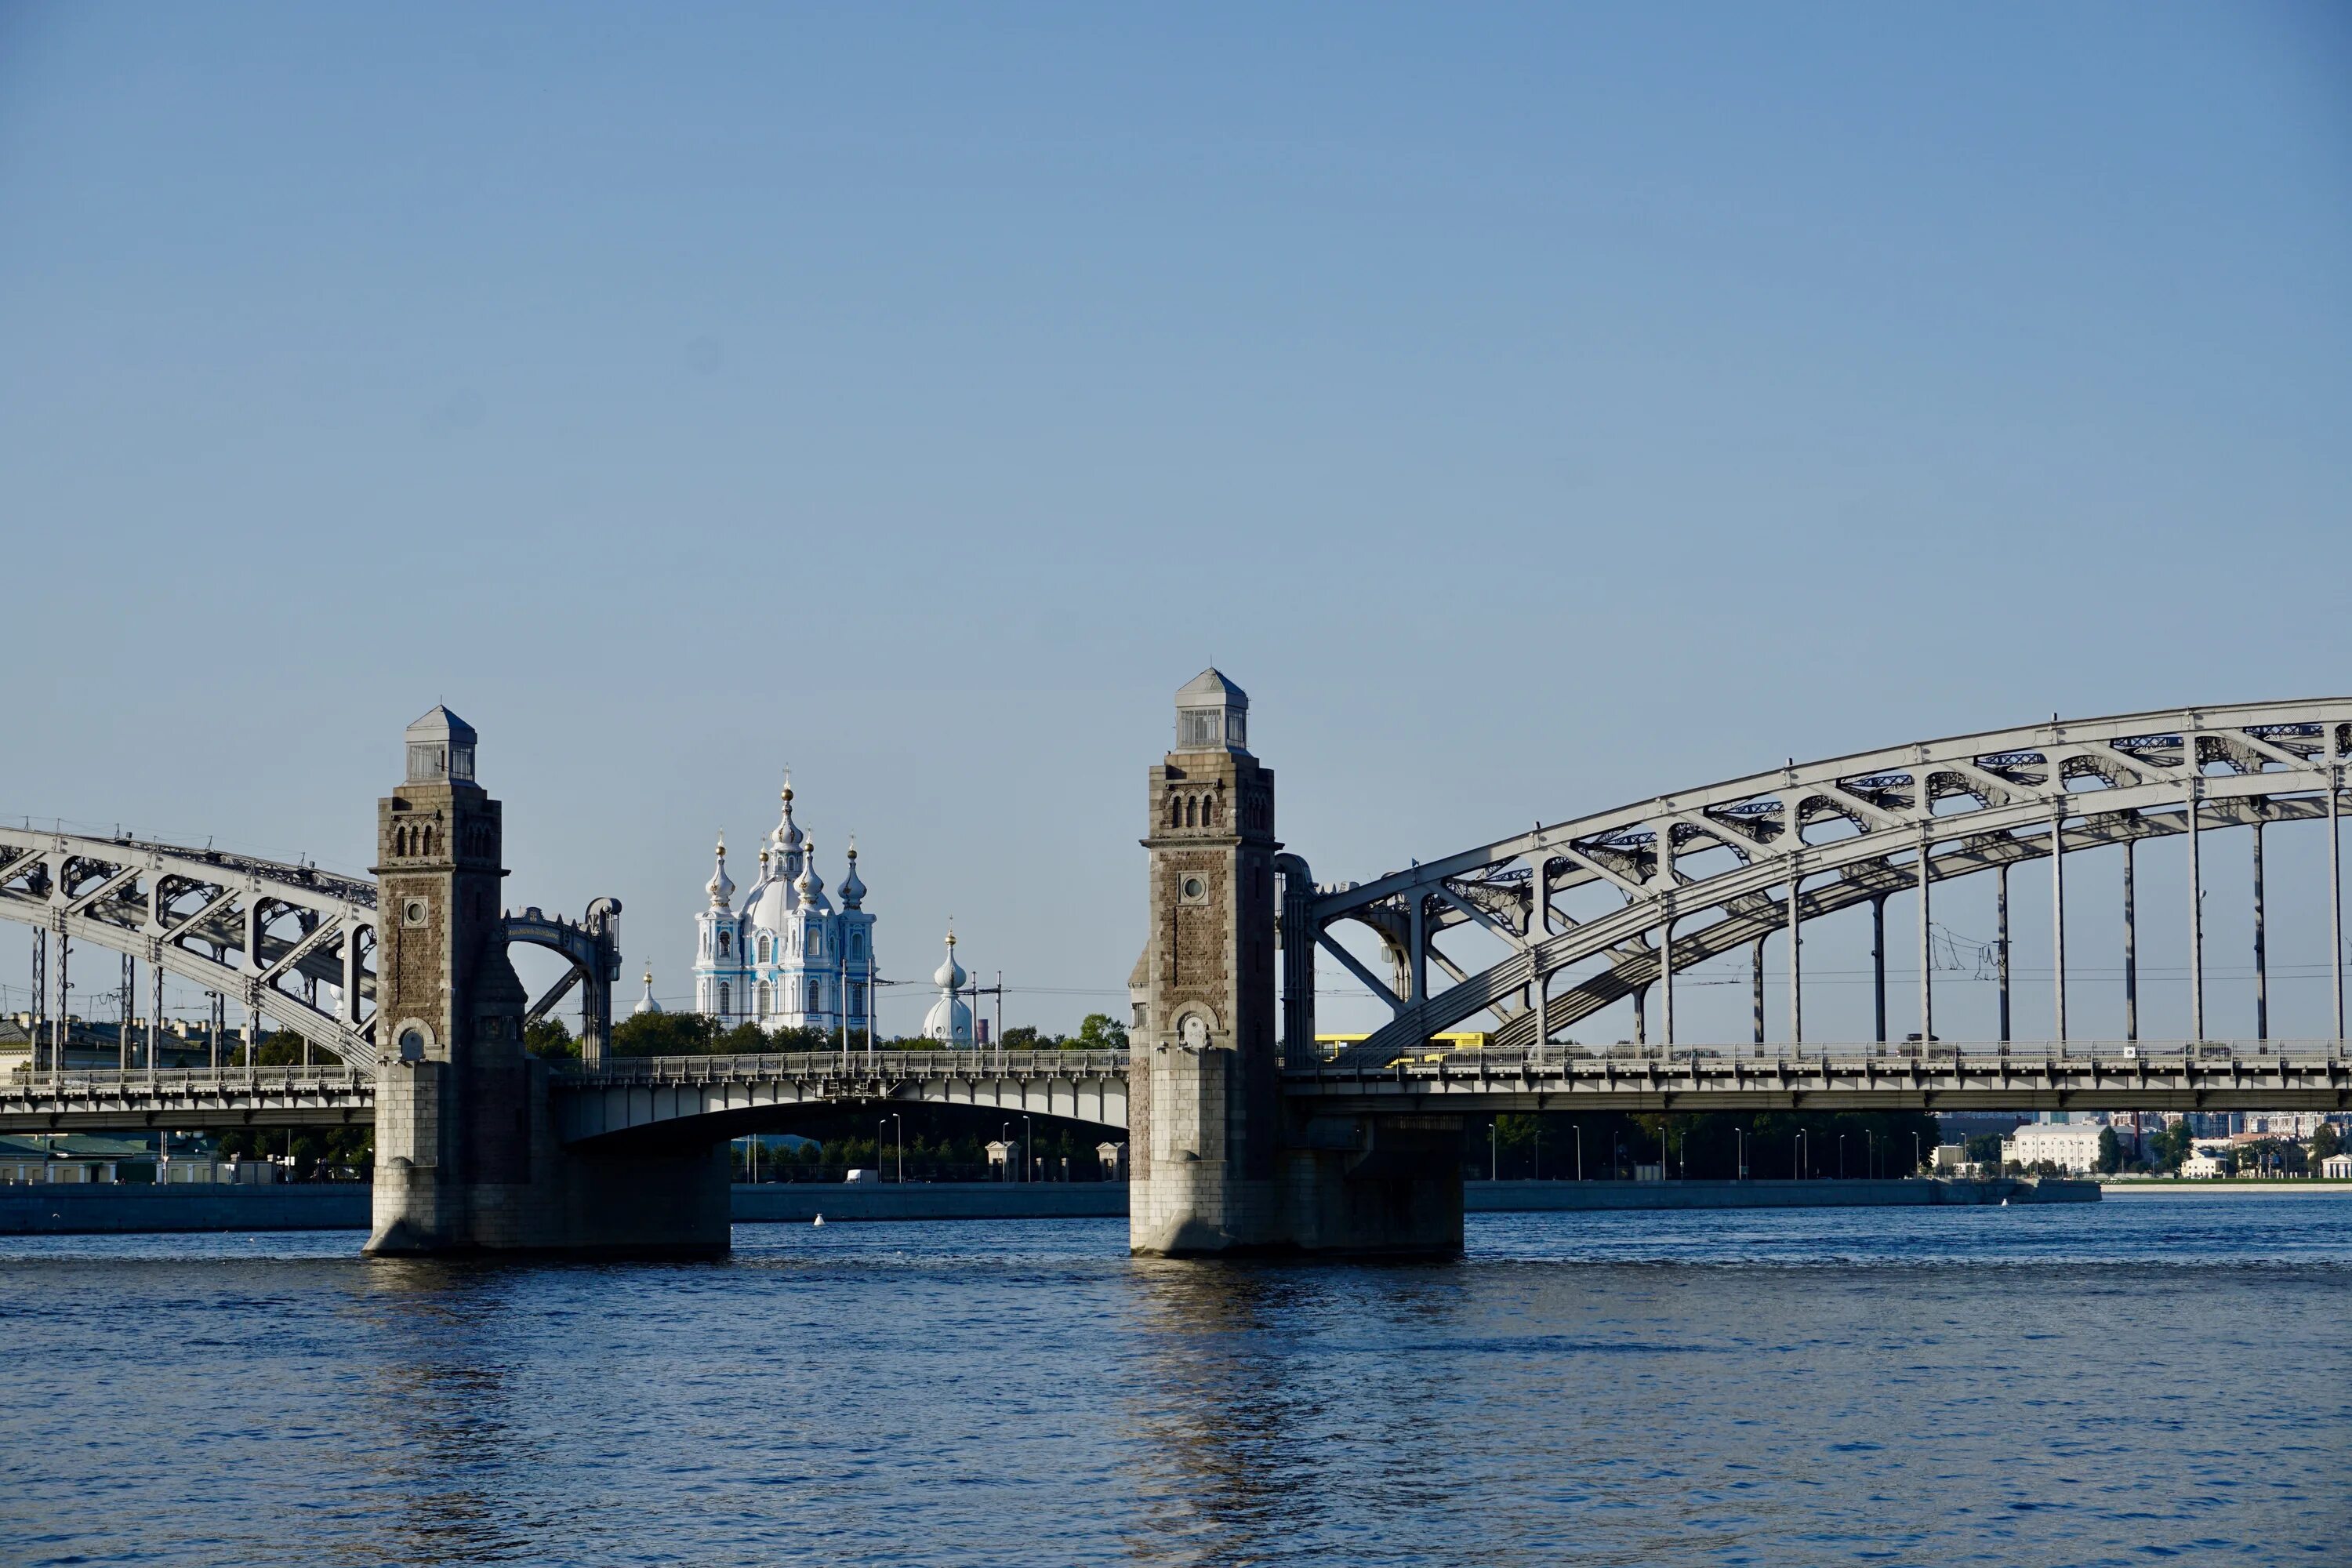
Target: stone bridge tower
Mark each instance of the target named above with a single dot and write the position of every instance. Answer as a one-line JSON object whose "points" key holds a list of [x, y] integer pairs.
{"points": [[1202, 1093], [468, 1157], [1218, 1163]]}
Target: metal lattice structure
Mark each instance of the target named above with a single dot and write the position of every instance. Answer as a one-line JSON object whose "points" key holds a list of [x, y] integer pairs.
{"points": [[1709, 871], [262, 933]]}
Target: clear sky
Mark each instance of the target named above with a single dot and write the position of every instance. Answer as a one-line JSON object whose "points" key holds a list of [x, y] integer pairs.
{"points": [[1534, 408]]}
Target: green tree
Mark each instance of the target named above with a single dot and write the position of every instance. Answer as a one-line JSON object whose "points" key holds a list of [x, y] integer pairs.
{"points": [[550, 1040], [2111, 1151], [1101, 1032], [2172, 1146], [2325, 1142]]}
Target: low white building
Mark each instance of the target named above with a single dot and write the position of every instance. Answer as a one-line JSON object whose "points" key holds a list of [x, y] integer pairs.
{"points": [[2336, 1167], [2204, 1161], [2071, 1146]]}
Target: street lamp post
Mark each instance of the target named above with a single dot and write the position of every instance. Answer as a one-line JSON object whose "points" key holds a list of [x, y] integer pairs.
{"points": [[902, 1146], [1915, 1152], [1840, 1157], [1028, 1148], [1579, 1151], [1493, 1152], [1739, 1141]]}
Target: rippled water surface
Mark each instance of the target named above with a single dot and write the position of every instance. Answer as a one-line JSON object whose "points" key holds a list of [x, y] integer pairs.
{"points": [[2117, 1383]]}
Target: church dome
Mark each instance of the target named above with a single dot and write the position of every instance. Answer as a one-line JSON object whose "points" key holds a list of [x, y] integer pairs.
{"points": [[949, 1020], [808, 888], [950, 974], [773, 911], [646, 1004], [852, 888], [788, 836], [720, 888]]}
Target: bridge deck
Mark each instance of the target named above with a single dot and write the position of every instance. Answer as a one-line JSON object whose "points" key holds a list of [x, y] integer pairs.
{"points": [[185, 1098], [632, 1093], [629, 1094], [2094, 1074]]}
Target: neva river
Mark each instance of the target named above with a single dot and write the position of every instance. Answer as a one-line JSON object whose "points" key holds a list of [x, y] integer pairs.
{"points": [[2110, 1383]]}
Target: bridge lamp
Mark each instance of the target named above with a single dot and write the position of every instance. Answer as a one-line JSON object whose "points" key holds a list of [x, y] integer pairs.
{"points": [[1840, 1157]]}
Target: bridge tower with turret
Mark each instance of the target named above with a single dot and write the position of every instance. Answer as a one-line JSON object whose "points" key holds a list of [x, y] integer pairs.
{"points": [[468, 1157], [1218, 1165]]}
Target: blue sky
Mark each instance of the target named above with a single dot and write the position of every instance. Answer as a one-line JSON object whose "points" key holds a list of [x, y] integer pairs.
{"points": [[1534, 408]]}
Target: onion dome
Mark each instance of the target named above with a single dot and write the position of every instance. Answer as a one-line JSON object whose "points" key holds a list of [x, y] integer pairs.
{"points": [[948, 1021], [788, 836], [853, 888], [950, 974], [808, 888], [720, 888], [646, 1004]]}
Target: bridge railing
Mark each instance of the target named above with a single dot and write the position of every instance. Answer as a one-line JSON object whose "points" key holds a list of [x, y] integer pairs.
{"points": [[110, 1083], [852, 1064], [2120, 1054]]}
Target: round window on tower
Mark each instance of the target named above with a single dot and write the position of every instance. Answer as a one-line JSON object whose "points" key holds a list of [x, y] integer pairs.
{"points": [[1193, 890]]}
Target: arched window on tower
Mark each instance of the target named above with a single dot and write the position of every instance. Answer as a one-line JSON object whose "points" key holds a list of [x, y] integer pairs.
{"points": [[762, 994], [816, 998], [725, 1006], [1175, 811], [1191, 811], [815, 942], [765, 951], [726, 949]]}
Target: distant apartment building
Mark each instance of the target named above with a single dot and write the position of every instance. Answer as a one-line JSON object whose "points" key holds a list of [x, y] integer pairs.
{"points": [[2069, 1146]]}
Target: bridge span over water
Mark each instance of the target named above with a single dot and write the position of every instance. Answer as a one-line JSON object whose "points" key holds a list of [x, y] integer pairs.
{"points": [[1244, 1133], [706, 1097]]}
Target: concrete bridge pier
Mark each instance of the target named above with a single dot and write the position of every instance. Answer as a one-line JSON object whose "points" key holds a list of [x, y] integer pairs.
{"points": [[1219, 1166], [468, 1157]]}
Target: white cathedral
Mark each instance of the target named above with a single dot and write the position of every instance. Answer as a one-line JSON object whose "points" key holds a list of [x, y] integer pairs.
{"points": [[787, 959]]}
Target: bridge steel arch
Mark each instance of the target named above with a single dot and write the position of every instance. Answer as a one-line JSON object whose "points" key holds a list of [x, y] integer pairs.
{"points": [[1804, 842], [247, 927]]}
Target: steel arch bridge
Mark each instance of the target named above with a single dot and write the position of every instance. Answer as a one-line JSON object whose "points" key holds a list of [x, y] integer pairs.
{"points": [[264, 933], [1705, 872]]}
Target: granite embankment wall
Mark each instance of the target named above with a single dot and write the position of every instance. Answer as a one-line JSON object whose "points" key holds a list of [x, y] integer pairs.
{"points": [[94, 1209], [101, 1210], [1529, 1198]]}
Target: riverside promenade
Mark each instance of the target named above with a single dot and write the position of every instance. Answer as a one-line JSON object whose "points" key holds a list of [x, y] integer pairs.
{"points": [[77, 1210]]}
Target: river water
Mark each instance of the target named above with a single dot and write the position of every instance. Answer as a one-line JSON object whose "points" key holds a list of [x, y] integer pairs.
{"points": [[2108, 1384]]}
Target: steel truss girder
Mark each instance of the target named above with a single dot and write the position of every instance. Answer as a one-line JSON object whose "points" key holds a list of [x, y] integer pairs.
{"points": [[2275, 762], [114, 912]]}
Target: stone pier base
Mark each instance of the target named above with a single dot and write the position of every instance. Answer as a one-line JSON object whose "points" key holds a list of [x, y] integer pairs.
{"points": [[506, 1184]]}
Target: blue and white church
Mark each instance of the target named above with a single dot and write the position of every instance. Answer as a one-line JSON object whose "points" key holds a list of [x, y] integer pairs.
{"points": [[787, 959]]}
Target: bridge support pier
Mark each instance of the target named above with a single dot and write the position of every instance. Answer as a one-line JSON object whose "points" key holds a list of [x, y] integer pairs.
{"points": [[468, 1154], [1218, 1165]]}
